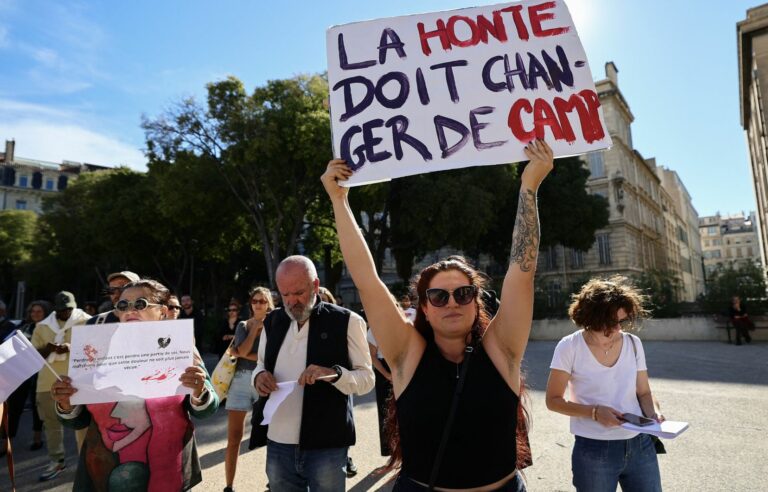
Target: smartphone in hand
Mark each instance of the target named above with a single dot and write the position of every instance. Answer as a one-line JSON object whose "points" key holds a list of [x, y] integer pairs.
{"points": [[637, 419]]}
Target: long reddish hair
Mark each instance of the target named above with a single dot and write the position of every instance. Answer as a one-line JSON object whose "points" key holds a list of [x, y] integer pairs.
{"points": [[475, 335]]}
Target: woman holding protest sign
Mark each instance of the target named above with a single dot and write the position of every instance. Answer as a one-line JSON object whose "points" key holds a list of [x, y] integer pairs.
{"points": [[450, 433], [604, 371], [242, 395], [140, 444]]}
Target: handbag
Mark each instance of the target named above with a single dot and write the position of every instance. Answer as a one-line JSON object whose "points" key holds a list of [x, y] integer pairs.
{"points": [[223, 374], [657, 444]]}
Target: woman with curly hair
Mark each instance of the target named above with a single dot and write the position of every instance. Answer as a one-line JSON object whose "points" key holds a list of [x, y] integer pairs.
{"points": [[603, 367], [455, 373]]}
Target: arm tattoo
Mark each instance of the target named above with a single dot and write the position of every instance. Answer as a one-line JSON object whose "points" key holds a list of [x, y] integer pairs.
{"points": [[525, 237]]}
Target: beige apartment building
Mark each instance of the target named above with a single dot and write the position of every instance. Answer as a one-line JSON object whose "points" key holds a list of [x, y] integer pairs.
{"points": [[24, 182], [730, 240], [752, 36], [652, 224]]}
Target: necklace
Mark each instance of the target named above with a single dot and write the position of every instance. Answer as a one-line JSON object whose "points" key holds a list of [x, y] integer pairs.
{"points": [[605, 351]]}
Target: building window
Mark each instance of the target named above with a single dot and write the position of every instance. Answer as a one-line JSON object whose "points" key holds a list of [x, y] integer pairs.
{"points": [[49, 184], [550, 258], [596, 165], [554, 296], [712, 230], [577, 259], [23, 181], [604, 249], [21, 204], [717, 242]]}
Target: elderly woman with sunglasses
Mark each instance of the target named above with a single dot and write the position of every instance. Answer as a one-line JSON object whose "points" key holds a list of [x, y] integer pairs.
{"points": [[140, 444], [242, 395], [452, 335], [603, 367]]}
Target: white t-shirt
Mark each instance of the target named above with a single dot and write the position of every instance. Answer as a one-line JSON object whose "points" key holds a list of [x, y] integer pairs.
{"points": [[373, 342], [592, 383]]}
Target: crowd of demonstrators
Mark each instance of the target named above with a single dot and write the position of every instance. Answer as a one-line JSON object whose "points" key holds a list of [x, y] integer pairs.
{"points": [[227, 326], [452, 356], [322, 347], [604, 369], [159, 452], [242, 394], [434, 356]]}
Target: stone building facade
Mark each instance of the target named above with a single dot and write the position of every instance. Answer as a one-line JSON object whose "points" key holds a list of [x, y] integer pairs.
{"points": [[752, 36], [24, 182], [645, 215], [730, 240]]}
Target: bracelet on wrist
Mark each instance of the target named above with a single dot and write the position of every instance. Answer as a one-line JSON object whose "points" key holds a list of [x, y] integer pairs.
{"points": [[594, 413]]}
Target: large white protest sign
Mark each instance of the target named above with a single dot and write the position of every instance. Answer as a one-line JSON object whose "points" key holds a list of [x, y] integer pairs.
{"points": [[128, 361], [467, 87]]}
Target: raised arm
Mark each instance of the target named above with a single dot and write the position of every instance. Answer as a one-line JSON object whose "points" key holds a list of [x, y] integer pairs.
{"points": [[511, 327], [388, 323]]}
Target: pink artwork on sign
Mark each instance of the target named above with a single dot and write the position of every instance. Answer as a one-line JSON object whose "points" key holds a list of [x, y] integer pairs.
{"points": [[90, 353], [160, 375]]}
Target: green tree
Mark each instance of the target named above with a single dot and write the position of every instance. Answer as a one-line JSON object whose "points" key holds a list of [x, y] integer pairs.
{"points": [[747, 282], [270, 147], [17, 236], [662, 288]]}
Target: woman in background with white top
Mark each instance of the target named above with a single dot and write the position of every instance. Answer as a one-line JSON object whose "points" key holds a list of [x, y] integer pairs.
{"points": [[604, 369]]}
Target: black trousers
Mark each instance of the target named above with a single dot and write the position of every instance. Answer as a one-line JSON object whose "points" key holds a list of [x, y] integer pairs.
{"points": [[742, 326], [16, 402], [404, 484], [383, 394]]}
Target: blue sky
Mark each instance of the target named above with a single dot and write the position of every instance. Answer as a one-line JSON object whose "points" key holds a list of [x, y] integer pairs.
{"points": [[77, 76]]}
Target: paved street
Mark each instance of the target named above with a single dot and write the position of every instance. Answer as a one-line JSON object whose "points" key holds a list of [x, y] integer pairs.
{"points": [[722, 390]]}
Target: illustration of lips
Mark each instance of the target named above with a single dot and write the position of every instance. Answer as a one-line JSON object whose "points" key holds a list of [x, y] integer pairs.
{"points": [[118, 432]]}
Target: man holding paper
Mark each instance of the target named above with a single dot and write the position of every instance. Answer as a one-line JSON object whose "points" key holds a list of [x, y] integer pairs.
{"points": [[322, 347], [51, 338]]}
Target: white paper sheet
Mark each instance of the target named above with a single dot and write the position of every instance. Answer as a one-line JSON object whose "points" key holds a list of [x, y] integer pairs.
{"points": [[276, 398], [129, 361]]}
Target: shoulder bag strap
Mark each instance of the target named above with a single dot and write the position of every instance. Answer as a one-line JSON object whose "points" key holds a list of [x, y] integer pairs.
{"points": [[468, 351]]}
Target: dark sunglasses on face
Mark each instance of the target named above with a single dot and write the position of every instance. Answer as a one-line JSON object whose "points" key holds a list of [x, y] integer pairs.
{"points": [[232, 310], [139, 304], [462, 295], [258, 301], [174, 308], [625, 324]]}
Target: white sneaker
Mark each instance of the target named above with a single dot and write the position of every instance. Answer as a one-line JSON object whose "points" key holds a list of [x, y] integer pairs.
{"points": [[52, 471]]}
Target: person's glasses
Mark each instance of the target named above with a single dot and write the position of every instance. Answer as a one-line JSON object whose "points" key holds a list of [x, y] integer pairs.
{"points": [[258, 301], [232, 310], [462, 295], [112, 290], [625, 324], [139, 304], [174, 308]]}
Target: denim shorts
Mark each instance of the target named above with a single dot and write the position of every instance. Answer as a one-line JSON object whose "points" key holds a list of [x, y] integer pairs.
{"points": [[242, 394]]}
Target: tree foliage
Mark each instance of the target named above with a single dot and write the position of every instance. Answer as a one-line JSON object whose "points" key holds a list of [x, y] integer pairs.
{"points": [[270, 148], [17, 236], [747, 282], [662, 288]]}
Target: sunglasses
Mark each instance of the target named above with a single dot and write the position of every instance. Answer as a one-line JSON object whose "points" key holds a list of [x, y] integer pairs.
{"points": [[232, 310], [625, 324], [462, 295], [112, 290], [174, 308], [258, 301], [139, 304]]}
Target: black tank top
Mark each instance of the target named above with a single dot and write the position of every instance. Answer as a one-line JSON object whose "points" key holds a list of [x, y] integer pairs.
{"points": [[482, 447]]}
